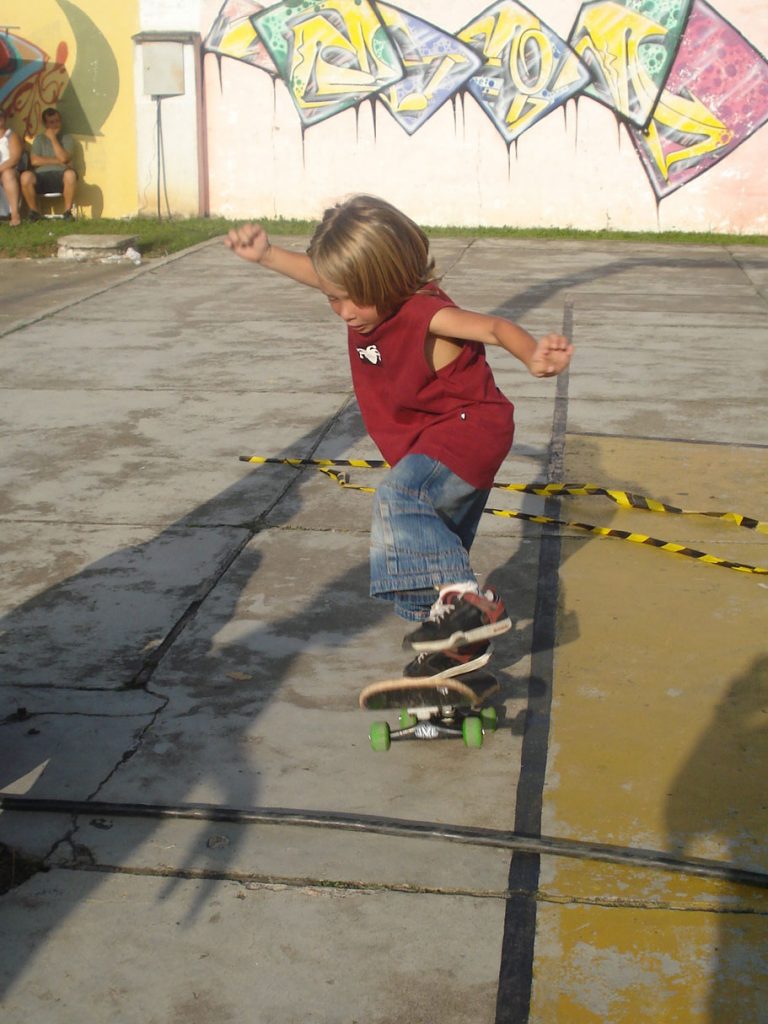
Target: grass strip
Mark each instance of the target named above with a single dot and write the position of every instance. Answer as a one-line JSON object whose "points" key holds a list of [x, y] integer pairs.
{"points": [[162, 237]]}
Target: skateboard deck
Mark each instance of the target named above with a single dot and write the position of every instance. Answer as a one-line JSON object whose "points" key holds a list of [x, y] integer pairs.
{"points": [[435, 708]]}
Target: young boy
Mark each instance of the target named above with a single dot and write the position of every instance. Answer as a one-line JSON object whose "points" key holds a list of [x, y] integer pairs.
{"points": [[429, 401]]}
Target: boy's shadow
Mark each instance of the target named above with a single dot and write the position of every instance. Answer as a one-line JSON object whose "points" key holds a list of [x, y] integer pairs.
{"points": [[96, 620]]}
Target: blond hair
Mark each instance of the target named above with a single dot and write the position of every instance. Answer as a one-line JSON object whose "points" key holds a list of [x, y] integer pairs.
{"points": [[372, 250]]}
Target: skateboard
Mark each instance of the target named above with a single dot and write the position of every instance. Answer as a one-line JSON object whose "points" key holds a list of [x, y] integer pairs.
{"points": [[432, 709]]}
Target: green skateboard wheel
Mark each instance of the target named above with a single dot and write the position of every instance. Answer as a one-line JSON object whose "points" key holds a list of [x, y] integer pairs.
{"points": [[488, 719], [472, 732], [407, 720], [380, 736]]}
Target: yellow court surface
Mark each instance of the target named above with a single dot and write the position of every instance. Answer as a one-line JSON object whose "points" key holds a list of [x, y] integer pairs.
{"points": [[658, 740]]}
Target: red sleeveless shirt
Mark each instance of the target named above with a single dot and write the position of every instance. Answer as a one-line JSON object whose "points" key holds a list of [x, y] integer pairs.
{"points": [[456, 415]]}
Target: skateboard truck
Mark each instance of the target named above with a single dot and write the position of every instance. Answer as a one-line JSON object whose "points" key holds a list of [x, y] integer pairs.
{"points": [[436, 723]]}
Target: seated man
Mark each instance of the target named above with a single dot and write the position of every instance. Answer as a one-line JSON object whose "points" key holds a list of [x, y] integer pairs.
{"points": [[50, 159], [11, 151]]}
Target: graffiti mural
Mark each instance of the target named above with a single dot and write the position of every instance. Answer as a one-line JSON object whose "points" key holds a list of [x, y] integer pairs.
{"points": [[331, 55], [707, 107], [31, 79], [436, 65], [528, 70], [629, 48], [686, 85], [94, 80], [233, 35]]}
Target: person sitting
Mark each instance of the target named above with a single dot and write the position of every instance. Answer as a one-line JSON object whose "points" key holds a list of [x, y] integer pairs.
{"points": [[51, 170], [11, 151]]}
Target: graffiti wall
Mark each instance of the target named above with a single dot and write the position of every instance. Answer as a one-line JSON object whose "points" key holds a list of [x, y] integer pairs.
{"points": [[69, 54], [632, 114]]}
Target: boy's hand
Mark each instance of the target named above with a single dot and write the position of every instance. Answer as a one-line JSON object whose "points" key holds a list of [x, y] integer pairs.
{"points": [[249, 241], [552, 355]]}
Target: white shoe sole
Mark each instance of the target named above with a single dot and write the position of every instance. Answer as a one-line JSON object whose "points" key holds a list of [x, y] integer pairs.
{"points": [[462, 639], [459, 670]]}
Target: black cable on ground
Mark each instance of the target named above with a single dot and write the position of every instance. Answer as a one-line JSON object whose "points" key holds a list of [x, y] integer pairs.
{"points": [[501, 839]]}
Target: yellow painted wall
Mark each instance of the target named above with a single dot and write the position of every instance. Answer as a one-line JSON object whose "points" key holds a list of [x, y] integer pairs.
{"points": [[77, 55]]}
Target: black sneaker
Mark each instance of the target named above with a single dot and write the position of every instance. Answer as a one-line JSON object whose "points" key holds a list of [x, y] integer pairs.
{"points": [[33, 215], [444, 664], [460, 618], [67, 215]]}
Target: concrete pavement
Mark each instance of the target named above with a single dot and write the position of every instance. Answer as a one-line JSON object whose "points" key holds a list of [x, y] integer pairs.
{"points": [[182, 628]]}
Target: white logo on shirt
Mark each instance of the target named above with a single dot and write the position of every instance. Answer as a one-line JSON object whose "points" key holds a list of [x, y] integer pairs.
{"points": [[370, 354]]}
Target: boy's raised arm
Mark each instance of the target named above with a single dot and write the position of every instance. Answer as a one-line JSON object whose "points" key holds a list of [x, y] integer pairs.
{"points": [[545, 358], [251, 242]]}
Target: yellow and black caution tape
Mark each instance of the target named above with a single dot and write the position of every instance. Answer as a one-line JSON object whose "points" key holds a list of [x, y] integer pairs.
{"points": [[628, 500], [636, 538], [318, 463], [625, 499]]}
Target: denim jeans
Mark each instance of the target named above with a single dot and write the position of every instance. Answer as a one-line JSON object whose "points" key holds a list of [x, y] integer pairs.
{"points": [[424, 522]]}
